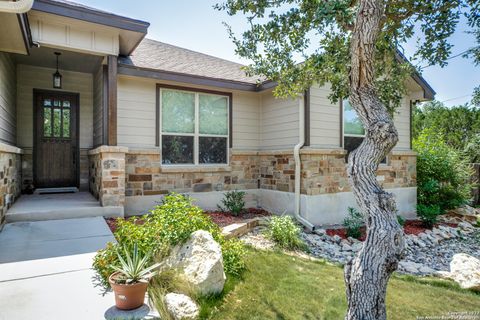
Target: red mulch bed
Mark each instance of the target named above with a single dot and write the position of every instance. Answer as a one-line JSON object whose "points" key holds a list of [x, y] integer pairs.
{"points": [[411, 227], [220, 218], [225, 218], [342, 233]]}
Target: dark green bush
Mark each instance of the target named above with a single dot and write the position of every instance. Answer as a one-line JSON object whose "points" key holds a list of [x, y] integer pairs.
{"points": [[401, 220], [168, 224], [442, 173], [353, 223], [285, 232], [233, 202], [428, 214]]}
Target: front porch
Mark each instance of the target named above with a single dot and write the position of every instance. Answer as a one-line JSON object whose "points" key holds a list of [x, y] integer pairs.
{"points": [[39, 207], [54, 130]]}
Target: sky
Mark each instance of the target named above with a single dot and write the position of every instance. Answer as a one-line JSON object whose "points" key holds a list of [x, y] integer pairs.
{"points": [[195, 25]]}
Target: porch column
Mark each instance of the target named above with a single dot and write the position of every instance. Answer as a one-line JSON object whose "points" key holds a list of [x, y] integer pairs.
{"points": [[107, 175], [111, 100]]}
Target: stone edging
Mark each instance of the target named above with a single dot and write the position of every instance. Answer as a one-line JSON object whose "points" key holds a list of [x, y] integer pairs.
{"points": [[409, 153], [144, 151], [195, 169], [10, 149], [305, 151], [236, 230], [108, 149]]}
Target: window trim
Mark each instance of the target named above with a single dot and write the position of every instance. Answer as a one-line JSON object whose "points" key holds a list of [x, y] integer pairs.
{"points": [[196, 134], [343, 134]]}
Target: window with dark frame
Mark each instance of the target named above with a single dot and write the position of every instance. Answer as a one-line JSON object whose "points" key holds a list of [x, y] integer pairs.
{"points": [[56, 119], [353, 131], [194, 127]]}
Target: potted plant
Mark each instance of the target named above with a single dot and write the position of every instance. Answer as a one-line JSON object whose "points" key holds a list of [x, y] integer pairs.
{"points": [[129, 282]]}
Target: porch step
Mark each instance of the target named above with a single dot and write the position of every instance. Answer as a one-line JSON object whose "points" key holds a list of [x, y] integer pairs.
{"points": [[40, 207]]}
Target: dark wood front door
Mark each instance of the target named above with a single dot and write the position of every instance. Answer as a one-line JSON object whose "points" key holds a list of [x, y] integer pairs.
{"points": [[56, 152]]}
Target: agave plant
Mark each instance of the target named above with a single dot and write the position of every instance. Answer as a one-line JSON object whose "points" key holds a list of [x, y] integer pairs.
{"points": [[135, 268]]}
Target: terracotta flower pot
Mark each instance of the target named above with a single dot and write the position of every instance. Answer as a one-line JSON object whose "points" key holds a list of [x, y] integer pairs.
{"points": [[128, 296]]}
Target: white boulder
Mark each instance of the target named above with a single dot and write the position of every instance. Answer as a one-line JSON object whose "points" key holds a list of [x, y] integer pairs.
{"points": [[465, 270], [181, 307], [200, 260]]}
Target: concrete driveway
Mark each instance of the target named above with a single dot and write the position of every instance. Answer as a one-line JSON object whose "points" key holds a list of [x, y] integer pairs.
{"points": [[45, 271]]}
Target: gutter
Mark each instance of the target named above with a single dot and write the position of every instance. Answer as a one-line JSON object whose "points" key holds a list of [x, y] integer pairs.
{"points": [[298, 165], [18, 7]]}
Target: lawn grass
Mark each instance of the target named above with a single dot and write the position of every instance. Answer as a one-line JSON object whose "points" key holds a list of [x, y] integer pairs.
{"points": [[278, 286]]}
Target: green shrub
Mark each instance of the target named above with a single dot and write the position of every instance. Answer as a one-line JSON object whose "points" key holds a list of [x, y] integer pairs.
{"points": [[428, 214], [104, 263], [177, 218], [285, 232], [233, 252], [442, 173], [353, 223], [168, 224], [401, 220], [233, 202]]}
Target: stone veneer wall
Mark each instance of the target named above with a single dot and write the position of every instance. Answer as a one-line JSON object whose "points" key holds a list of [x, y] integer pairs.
{"points": [[107, 175], [323, 171], [84, 170], [145, 176], [10, 178], [27, 168]]}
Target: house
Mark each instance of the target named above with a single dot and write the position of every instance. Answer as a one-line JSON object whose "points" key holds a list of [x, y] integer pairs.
{"points": [[88, 103]]}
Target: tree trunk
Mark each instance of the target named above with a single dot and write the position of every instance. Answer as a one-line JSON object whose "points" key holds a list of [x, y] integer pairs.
{"points": [[366, 276]]}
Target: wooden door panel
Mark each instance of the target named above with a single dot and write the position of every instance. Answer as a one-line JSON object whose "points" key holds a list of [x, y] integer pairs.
{"points": [[56, 139]]}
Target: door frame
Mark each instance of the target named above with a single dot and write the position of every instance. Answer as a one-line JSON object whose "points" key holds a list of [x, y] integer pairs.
{"points": [[37, 92]]}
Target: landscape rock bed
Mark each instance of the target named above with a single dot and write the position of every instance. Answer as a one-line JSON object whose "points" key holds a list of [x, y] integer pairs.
{"points": [[426, 253], [256, 238]]}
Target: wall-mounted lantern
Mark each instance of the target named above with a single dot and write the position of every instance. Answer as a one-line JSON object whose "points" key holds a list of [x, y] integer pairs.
{"points": [[57, 77]]}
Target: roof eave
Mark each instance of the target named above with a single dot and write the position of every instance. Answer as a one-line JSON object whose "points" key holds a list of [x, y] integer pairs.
{"points": [[130, 70], [428, 92], [90, 15], [26, 31]]}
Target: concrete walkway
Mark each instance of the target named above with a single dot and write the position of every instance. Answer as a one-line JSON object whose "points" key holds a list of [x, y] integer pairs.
{"points": [[45, 271], [40, 207]]}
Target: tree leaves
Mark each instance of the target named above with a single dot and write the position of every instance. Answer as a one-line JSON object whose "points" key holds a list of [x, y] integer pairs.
{"points": [[300, 42]]}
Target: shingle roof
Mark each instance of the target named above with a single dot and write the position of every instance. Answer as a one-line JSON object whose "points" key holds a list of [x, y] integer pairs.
{"points": [[80, 5], [155, 55]]}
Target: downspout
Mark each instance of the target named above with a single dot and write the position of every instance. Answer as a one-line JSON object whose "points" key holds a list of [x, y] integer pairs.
{"points": [[18, 7], [298, 165]]}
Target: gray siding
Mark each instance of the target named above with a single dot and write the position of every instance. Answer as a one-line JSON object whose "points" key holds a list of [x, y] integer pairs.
{"points": [[8, 126], [136, 112], [279, 123], [402, 123], [246, 121], [324, 119]]}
